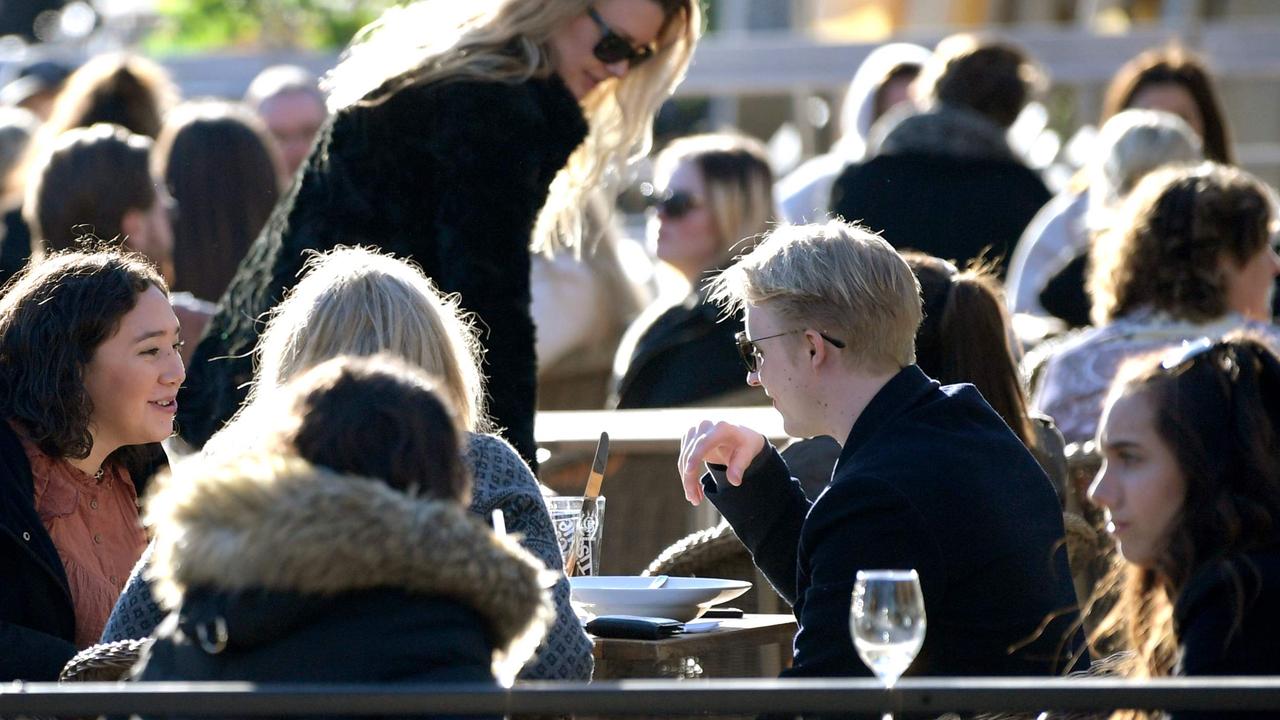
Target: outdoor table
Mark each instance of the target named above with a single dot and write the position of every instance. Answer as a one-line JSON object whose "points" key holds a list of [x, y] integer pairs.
{"points": [[646, 509], [754, 646]]}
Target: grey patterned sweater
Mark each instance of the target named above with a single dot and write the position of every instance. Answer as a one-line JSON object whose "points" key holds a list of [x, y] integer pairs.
{"points": [[501, 480]]}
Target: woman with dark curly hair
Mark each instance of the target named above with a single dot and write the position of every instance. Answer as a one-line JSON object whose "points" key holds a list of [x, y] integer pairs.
{"points": [[1191, 484], [1191, 257], [89, 373]]}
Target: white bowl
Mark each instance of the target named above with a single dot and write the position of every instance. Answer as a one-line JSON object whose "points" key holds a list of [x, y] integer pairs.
{"points": [[682, 599]]}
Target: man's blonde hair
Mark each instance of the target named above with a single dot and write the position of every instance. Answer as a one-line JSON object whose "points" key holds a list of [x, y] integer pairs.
{"points": [[835, 277]]}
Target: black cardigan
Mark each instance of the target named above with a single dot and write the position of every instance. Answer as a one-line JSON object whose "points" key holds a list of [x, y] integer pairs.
{"points": [[449, 175]]}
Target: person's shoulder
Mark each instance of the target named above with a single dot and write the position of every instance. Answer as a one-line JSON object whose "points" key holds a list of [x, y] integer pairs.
{"points": [[494, 463]]}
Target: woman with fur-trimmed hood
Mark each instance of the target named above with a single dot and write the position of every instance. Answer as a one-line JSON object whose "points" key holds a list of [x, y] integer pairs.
{"points": [[281, 567]]}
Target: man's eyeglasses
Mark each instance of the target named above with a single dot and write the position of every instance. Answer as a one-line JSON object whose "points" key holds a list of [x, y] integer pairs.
{"points": [[613, 47], [675, 204], [750, 354]]}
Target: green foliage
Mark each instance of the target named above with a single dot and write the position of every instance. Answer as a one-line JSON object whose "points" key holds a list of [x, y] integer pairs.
{"points": [[204, 25]]}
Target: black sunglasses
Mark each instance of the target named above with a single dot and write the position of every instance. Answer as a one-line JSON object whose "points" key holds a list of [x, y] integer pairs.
{"points": [[675, 204], [613, 47], [750, 354]]}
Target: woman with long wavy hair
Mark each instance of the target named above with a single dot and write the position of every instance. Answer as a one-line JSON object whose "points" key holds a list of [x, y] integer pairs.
{"points": [[1191, 485], [461, 134]]}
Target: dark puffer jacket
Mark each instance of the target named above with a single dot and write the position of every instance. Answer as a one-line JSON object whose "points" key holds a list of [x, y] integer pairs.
{"points": [[280, 571], [450, 175]]}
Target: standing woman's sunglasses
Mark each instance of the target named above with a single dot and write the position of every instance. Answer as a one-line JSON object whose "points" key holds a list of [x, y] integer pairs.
{"points": [[614, 48]]}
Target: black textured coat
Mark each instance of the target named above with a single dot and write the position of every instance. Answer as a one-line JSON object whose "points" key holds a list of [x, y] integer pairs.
{"points": [[450, 175]]}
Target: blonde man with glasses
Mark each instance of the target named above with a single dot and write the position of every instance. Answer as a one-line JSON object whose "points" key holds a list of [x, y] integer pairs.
{"points": [[929, 477]]}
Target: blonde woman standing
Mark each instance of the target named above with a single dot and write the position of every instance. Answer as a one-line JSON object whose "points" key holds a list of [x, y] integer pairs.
{"points": [[460, 134]]}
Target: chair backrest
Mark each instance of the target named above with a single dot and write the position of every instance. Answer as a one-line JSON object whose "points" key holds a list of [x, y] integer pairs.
{"points": [[718, 553], [105, 662]]}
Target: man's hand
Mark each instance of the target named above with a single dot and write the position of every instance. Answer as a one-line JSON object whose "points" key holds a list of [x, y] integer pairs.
{"points": [[734, 446]]}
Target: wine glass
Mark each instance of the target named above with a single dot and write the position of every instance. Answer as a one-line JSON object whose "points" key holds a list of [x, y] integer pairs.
{"points": [[887, 621]]}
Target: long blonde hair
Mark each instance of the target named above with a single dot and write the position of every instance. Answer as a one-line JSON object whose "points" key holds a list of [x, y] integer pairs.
{"points": [[355, 301], [737, 181], [506, 41]]}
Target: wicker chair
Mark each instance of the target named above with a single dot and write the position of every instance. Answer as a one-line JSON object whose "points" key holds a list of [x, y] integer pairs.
{"points": [[718, 553], [107, 662]]}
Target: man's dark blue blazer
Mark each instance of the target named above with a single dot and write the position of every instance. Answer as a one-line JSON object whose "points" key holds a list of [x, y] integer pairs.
{"points": [[929, 478]]}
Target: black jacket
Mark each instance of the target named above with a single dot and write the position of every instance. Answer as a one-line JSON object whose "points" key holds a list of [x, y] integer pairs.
{"points": [[1226, 623], [949, 207], [283, 572], [930, 478], [450, 175], [37, 618], [686, 355]]}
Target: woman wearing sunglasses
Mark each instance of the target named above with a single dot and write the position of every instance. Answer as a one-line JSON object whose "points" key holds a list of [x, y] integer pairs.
{"points": [[713, 195], [1191, 484], [461, 132]]}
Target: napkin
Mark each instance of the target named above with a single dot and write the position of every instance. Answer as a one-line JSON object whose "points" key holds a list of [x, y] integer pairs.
{"points": [[634, 627]]}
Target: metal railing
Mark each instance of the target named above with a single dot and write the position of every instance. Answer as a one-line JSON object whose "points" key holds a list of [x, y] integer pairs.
{"points": [[645, 697]]}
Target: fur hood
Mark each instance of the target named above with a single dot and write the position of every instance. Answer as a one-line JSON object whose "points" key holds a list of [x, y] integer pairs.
{"points": [[278, 523]]}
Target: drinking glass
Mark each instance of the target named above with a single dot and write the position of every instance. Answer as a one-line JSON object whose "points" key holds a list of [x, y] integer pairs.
{"points": [[887, 621], [566, 516]]}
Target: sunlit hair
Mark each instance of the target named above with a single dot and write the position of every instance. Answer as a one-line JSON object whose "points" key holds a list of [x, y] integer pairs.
{"points": [[223, 168], [126, 90], [279, 80], [1133, 143], [86, 181], [53, 317], [964, 337], [377, 417], [837, 278], [433, 41], [737, 180], [1219, 414], [354, 301], [988, 75], [1173, 65], [1175, 230]]}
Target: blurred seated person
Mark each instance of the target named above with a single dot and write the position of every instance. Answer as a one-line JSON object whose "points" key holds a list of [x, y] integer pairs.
{"points": [[714, 196], [945, 180], [122, 89], [1191, 256], [290, 103], [1191, 483], [89, 369], [98, 179], [882, 82], [353, 301], [965, 338], [35, 88], [17, 130], [341, 551], [1050, 259], [929, 477], [223, 170]]}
